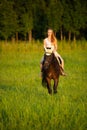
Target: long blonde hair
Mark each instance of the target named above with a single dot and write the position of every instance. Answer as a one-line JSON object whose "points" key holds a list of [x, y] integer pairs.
{"points": [[53, 39]]}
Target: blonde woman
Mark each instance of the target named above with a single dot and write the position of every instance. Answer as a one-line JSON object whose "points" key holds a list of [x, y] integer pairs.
{"points": [[51, 42]]}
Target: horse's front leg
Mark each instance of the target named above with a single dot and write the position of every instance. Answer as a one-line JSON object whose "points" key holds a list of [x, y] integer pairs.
{"points": [[49, 86], [55, 85]]}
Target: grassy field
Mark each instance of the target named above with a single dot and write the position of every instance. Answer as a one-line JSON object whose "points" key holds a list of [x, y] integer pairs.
{"points": [[26, 105]]}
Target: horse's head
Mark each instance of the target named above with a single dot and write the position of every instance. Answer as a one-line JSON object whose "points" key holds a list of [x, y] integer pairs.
{"points": [[48, 58]]}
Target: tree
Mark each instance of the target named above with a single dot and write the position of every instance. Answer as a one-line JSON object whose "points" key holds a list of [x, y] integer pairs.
{"points": [[8, 19], [27, 17], [54, 14], [27, 25], [40, 18], [74, 16], [79, 16], [67, 16], [24, 11]]}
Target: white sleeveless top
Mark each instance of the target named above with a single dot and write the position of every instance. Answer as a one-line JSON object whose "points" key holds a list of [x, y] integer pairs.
{"points": [[48, 44]]}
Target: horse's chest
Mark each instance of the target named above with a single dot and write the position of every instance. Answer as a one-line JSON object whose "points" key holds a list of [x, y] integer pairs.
{"points": [[52, 74]]}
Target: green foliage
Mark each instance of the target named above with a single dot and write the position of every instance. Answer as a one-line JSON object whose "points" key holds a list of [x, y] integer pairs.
{"points": [[54, 14], [24, 16], [74, 17], [8, 22], [27, 22], [26, 105]]}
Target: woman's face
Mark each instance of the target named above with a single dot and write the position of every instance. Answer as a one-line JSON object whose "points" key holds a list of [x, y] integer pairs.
{"points": [[50, 32]]}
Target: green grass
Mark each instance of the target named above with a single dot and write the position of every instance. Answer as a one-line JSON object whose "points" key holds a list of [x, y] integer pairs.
{"points": [[26, 105]]}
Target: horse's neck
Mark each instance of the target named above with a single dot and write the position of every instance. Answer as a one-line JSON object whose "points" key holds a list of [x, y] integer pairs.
{"points": [[55, 61]]}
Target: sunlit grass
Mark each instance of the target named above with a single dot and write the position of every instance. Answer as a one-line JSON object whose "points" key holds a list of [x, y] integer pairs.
{"points": [[26, 105]]}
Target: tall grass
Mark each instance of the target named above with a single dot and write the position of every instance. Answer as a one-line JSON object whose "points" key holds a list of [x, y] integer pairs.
{"points": [[26, 105]]}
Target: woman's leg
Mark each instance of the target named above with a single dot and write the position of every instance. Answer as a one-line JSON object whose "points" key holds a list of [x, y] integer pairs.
{"points": [[60, 59], [61, 63]]}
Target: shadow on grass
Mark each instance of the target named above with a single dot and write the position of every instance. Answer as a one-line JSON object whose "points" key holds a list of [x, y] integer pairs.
{"points": [[5, 87]]}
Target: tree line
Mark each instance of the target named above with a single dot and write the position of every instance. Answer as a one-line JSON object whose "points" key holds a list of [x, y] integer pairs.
{"points": [[27, 19]]}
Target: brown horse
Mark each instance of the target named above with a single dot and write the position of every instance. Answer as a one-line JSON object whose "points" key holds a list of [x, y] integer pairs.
{"points": [[50, 70]]}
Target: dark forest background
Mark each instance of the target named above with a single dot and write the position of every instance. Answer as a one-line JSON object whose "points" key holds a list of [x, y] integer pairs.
{"points": [[30, 19]]}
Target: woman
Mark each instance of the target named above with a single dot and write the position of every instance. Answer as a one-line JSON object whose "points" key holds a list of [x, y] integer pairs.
{"points": [[51, 42]]}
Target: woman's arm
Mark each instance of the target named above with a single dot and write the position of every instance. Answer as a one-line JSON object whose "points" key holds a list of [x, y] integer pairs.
{"points": [[44, 44]]}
